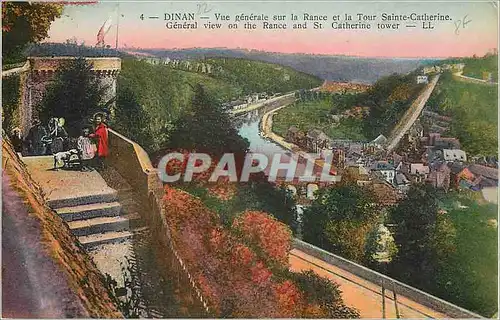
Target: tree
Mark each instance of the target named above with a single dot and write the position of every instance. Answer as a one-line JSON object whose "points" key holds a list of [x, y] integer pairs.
{"points": [[24, 23], [416, 220], [132, 119], [206, 127], [340, 219], [75, 94], [325, 293]]}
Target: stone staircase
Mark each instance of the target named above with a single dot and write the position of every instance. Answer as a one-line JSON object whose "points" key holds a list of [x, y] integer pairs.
{"points": [[95, 212]]}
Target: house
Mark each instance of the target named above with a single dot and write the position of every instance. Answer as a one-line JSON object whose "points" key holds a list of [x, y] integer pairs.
{"points": [[317, 140], [451, 155], [384, 169], [418, 171], [439, 176], [401, 182], [489, 176], [379, 141], [437, 142], [422, 79]]}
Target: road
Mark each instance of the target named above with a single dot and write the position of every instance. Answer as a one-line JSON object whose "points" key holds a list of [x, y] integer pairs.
{"points": [[254, 106], [411, 115], [360, 293]]}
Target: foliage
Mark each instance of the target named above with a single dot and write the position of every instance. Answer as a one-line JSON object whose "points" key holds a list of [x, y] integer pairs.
{"points": [[256, 76], [388, 99], [206, 127], [380, 244], [71, 48], [75, 94], [473, 108], [340, 219], [316, 114], [257, 194], [256, 228], [468, 275], [235, 278], [325, 293], [474, 67], [23, 23], [10, 102], [131, 118], [416, 220]]}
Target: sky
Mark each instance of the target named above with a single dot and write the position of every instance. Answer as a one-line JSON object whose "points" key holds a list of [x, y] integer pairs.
{"points": [[478, 36]]}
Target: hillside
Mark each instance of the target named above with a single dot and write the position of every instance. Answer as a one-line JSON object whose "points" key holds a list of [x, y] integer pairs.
{"points": [[255, 76], [474, 110], [329, 67], [151, 97], [385, 102]]}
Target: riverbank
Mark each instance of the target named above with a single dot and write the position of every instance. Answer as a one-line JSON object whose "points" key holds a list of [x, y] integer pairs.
{"points": [[266, 131]]}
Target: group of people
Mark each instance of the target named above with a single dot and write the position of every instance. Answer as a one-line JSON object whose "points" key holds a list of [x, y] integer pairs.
{"points": [[88, 150]]}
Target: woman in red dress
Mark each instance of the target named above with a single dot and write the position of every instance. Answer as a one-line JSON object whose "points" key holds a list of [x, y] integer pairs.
{"points": [[101, 134]]}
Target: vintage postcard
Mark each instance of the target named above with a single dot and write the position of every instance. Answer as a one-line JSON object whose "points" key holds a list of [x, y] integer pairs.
{"points": [[250, 159]]}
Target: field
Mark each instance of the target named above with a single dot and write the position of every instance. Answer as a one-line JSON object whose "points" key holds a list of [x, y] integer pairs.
{"points": [[315, 115], [473, 108]]}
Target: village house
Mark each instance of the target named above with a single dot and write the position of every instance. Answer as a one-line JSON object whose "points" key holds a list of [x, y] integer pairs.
{"points": [[418, 171], [317, 141], [422, 79], [402, 182], [296, 136], [439, 176], [385, 170], [474, 177], [379, 142], [385, 193], [435, 141], [451, 155]]}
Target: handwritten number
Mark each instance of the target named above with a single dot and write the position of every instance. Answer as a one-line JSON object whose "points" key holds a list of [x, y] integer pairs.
{"points": [[203, 6], [461, 23]]}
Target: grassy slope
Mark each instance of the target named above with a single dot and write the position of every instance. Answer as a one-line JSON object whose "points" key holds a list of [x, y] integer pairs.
{"points": [[473, 108], [314, 114]]}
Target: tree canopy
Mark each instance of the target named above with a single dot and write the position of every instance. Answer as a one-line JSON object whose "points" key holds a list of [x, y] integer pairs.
{"points": [[340, 219], [206, 127], [75, 94], [24, 23]]}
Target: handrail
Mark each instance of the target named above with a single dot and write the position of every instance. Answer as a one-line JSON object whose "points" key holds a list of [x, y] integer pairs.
{"points": [[401, 288]]}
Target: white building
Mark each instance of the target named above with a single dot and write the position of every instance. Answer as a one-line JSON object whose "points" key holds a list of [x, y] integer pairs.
{"points": [[385, 169], [422, 79], [451, 155]]}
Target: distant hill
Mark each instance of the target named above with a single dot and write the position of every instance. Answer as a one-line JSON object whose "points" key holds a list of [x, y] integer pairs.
{"points": [[337, 68]]}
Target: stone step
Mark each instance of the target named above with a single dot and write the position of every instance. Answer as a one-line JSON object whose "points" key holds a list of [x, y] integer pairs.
{"points": [[105, 224], [89, 211], [94, 240], [108, 195]]}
